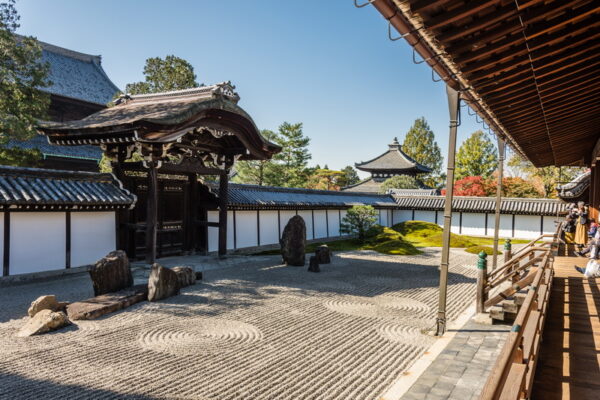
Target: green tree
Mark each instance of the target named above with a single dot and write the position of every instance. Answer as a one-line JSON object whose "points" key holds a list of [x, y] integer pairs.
{"points": [[290, 165], [172, 73], [547, 178], [22, 74], [420, 145], [349, 177], [477, 156], [519, 188], [256, 172], [399, 182], [325, 179], [358, 220]]}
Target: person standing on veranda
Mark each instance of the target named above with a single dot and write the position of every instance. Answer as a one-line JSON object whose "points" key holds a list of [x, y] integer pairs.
{"points": [[582, 225]]}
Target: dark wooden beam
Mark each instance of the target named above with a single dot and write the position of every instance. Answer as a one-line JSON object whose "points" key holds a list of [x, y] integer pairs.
{"points": [[68, 240], [151, 213], [170, 168], [6, 249], [223, 201]]}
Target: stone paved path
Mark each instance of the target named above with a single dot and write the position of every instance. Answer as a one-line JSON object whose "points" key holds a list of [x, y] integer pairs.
{"points": [[460, 370], [255, 330]]}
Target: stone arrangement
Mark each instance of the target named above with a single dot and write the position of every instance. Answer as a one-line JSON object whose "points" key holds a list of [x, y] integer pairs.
{"points": [[293, 242], [323, 254], [107, 303], [163, 283], [112, 273], [313, 264], [47, 302], [46, 314]]}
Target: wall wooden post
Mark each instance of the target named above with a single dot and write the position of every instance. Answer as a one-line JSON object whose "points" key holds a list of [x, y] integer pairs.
{"points": [[193, 205], [151, 213], [223, 201], [6, 255]]}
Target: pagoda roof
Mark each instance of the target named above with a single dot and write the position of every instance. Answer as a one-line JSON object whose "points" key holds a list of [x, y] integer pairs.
{"points": [[393, 160], [205, 119]]}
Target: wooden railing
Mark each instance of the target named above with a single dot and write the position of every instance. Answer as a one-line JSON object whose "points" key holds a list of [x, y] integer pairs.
{"points": [[512, 375]]}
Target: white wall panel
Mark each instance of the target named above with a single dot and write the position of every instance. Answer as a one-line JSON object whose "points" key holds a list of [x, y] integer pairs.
{"points": [[527, 226], [427, 216], [37, 242], [455, 227], [473, 224], [401, 216], [92, 236], [246, 225], [1, 238], [505, 225], [307, 217], [383, 217], [230, 241], [334, 222], [269, 230], [286, 215], [549, 224], [320, 224], [213, 231]]}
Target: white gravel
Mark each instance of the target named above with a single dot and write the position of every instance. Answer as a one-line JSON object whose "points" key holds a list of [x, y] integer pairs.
{"points": [[254, 331]]}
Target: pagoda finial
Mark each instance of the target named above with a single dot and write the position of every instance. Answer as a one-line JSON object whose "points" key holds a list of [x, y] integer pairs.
{"points": [[395, 144]]}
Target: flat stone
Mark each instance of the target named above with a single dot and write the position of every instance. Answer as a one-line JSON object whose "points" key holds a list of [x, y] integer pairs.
{"points": [[162, 283], [107, 303], [47, 302], [44, 321], [111, 273]]}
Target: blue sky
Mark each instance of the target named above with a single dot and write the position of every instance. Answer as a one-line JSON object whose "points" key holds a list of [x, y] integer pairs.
{"points": [[320, 62]]}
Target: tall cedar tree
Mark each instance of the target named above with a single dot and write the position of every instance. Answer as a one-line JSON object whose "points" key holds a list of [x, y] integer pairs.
{"points": [[477, 156], [547, 178], [172, 73], [290, 165], [257, 172], [21, 75], [420, 145]]}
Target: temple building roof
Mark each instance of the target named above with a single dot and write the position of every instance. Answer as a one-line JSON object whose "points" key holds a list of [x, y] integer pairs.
{"points": [[394, 161], [577, 189], [77, 75], [84, 152], [203, 120]]}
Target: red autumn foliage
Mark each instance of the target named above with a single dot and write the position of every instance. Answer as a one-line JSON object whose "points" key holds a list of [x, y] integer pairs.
{"points": [[479, 187]]}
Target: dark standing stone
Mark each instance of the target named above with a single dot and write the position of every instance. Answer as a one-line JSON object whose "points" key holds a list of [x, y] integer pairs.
{"points": [[293, 242], [112, 273], [323, 254], [162, 283], [185, 275], [198, 275], [313, 264]]}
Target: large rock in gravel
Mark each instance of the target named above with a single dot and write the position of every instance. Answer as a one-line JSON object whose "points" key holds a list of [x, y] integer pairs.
{"points": [[47, 302], [323, 254], [107, 303], [313, 264], [162, 283], [112, 273], [44, 321], [293, 242], [185, 275]]}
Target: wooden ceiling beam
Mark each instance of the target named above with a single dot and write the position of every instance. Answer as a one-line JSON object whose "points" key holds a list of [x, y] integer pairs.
{"points": [[424, 5], [466, 10]]}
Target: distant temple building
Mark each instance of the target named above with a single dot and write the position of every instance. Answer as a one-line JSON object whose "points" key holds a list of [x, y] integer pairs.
{"points": [[79, 87], [391, 163]]}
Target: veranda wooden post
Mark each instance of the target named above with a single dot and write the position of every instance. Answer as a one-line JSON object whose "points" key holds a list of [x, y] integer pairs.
{"points": [[481, 281], [151, 212], [223, 201], [453, 107], [501, 153]]}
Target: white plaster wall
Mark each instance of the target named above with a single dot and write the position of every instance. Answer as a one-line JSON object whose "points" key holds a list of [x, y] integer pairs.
{"points": [[527, 226], [93, 236], [455, 227], [246, 223], [549, 224], [307, 217], [401, 216], [269, 231], [334, 222], [343, 214], [286, 215], [473, 224], [427, 216], [505, 225], [37, 242], [213, 231], [230, 241], [1, 239], [320, 224]]}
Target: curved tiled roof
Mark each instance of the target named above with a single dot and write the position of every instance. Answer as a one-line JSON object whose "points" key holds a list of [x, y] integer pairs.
{"points": [[393, 160], [253, 196], [77, 75], [483, 204], [84, 152], [366, 186], [35, 189], [575, 189]]}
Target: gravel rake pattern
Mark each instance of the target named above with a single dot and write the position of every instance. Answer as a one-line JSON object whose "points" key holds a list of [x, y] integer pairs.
{"points": [[248, 332]]}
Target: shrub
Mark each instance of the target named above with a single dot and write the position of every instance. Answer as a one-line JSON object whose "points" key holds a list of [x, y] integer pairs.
{"points": [[358, 220]]}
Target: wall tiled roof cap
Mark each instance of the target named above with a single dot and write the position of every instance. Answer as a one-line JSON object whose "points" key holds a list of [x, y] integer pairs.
{"points": [[44, 189], [85, 152]]}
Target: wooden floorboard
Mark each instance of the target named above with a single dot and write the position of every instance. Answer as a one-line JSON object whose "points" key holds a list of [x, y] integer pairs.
{"points": [[569, 364]]}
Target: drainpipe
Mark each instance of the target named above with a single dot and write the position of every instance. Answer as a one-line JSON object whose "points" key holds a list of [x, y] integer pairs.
{"points": [[453, 108], [501, 155]]}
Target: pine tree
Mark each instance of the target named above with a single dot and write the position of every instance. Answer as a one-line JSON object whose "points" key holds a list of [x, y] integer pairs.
{"points": [[256, 172], [290, 165], [399, 182], [420, 145], [349, 177], [477, 156], [172, 73]]}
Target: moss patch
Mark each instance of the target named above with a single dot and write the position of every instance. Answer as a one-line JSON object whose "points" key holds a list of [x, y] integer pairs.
{"points": [[478, 249]]}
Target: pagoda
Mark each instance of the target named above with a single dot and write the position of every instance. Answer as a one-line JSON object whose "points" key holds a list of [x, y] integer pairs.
{"points": [[391, 163]]}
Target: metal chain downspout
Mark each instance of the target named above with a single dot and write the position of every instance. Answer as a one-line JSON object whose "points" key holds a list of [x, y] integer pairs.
{"points": [[501, 155], [453, 108]]}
